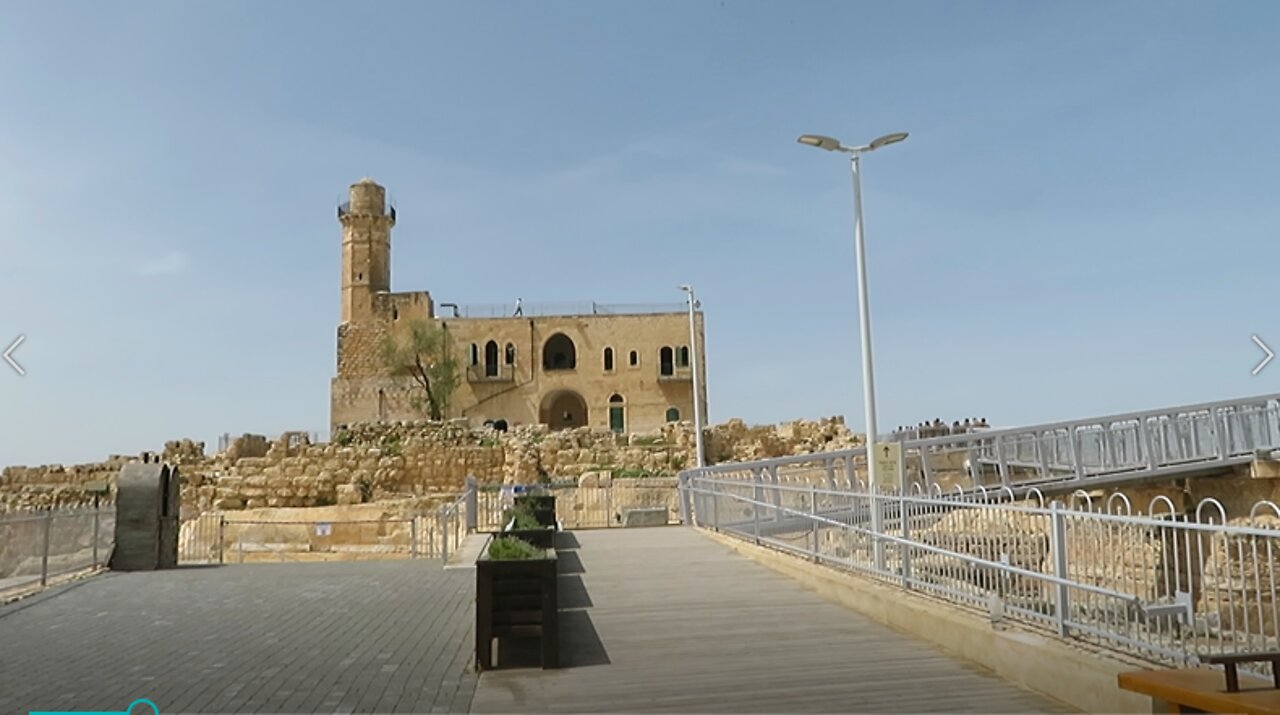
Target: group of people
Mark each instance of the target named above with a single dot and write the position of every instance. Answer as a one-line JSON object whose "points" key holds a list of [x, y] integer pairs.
{"points": [[938, 428]]}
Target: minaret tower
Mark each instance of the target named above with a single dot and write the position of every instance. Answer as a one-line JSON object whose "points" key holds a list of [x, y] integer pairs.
{"points": [[366, 248]]}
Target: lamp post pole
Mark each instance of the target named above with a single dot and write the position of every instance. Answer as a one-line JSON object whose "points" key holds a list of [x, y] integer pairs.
{"points": [[864, 310], [697, 382], [864, 322]]}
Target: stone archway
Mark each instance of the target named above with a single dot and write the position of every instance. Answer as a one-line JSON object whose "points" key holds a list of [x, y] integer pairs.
{"points": [[563, 409]]}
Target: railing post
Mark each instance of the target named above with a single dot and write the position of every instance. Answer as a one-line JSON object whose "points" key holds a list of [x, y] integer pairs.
{"points": [[877, 527], [44, 556], [1148, 426], [813, 509], [755, 513], [413, 536], [1003, 465], [96, 524], [222, 530], [442, 520], [1073, 446], [715, 510], [1062, 597], [608, 505], [471, 502], [904, 551], [1224, 434], [682, 484]]}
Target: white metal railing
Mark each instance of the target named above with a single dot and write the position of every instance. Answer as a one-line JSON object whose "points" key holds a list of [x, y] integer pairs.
{"points": [[1089, 453], [1166, 586]]}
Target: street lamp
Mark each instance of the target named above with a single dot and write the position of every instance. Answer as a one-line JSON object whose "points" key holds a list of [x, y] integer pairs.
{"points": [[864, 314], [697, 392]]}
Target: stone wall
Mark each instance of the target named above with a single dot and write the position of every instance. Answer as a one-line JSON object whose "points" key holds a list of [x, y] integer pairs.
{"points": [[387, 461]]}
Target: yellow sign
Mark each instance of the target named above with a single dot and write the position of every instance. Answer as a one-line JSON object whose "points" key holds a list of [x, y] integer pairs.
{"points": [[888, 456]]}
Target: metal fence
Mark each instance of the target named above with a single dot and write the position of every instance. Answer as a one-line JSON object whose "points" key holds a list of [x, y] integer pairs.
{"points": [[1166, 586], [532, 310], [39, 547], [1092, 453], [587, 507], [220, 537]]}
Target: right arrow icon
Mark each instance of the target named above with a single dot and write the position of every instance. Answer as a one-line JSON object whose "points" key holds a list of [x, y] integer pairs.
{"points": [[1258, 341]]}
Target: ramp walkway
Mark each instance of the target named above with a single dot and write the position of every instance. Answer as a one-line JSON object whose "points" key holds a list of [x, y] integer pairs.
{"points": [[667, 620]]}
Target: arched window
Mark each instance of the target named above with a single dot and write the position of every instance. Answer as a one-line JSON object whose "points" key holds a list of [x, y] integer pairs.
{"points": [[491, 359], [666, 361], [473, 356], [608, 359], [682, 356], [510, 355], [617, 417], [559, 353], [635, 358], [673, 415]]}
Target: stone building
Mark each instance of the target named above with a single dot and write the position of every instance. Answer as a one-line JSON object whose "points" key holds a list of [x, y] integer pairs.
{"points": [[627, 368]]}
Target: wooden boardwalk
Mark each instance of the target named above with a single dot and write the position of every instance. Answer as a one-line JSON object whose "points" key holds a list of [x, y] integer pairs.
{"points": [[667, 620]]}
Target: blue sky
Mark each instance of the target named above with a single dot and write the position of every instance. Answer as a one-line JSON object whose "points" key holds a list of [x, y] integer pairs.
{"points": [[1083, 220]]}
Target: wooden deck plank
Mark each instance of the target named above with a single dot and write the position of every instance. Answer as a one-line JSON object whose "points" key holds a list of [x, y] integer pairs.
{"points": [[678, 623]]}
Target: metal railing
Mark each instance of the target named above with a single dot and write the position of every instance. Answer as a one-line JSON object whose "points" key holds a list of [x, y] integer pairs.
{"points": [[540, 310], [586, 507], [1089, 453], [38, 547], [1166, 586]]}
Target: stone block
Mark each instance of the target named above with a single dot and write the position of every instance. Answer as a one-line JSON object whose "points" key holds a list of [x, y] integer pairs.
{"points": [[644, 516], [228, 504]]}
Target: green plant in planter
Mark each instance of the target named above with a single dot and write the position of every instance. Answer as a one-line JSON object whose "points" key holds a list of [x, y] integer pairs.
{"points": [[523, 516], [512, 549]]}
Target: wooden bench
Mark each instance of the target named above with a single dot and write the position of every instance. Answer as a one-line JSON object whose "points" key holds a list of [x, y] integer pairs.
{"points": [[1209, 690]]}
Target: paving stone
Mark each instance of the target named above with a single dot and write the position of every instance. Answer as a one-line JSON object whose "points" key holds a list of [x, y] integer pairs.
{"points": [[279, 638]]}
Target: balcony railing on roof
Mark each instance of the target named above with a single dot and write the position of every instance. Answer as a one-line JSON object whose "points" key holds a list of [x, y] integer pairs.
{"points": [[541, 310], [344, 209]]}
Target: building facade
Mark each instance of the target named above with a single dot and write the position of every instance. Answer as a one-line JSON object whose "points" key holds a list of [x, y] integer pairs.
{"points": [[626, 368]]}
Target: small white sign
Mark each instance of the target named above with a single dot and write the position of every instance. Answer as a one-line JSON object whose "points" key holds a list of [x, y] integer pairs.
{"points": [[888, 464], [324, 529]]}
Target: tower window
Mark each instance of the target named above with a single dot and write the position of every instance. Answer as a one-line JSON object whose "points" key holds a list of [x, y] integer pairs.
{"points": [[491, 359], [510, 354], [673, 415], [634, 358], [682, 356], [666, 365], [473, 356], [395, 313], [608, 359]]}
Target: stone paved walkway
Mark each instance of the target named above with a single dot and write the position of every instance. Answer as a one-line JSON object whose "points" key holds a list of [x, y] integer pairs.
{"points": [[343, 637]]}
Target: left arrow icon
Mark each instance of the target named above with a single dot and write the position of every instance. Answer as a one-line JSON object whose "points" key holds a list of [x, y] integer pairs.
{"points": [[8, 355], [1258, 341]]}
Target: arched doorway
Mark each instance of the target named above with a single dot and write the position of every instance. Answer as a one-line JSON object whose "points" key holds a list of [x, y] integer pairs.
{"points": [[617, 414], [559, 353], [563, 409]]}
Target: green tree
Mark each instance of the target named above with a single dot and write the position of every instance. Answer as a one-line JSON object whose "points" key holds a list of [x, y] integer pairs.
{"points": [[422, 352]]}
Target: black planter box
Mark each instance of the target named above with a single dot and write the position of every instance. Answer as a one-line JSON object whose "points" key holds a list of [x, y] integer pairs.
{"points": [[544, 538], [543, 507], [517, 599]]}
